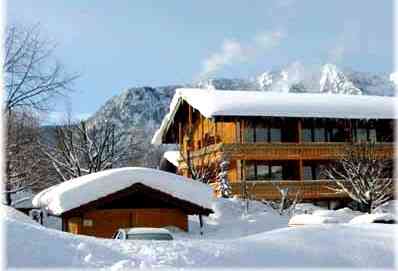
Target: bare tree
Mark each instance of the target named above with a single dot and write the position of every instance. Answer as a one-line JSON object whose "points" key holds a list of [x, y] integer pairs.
{"points": [[26, 166], [203, 167], [287, 202], [364, 175], [82, 149], [32, 76]]}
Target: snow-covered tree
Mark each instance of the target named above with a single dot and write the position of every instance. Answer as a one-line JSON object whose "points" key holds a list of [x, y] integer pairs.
{"points": [[364, 174], [81, 149], [287, 202], [222, 179]]}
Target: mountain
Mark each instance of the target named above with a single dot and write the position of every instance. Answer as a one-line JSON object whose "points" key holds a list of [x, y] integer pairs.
{"points": [[140, 110], [139, 107]]}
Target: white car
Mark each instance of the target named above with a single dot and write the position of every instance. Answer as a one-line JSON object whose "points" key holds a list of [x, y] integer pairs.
{"points": [[143, 234]]}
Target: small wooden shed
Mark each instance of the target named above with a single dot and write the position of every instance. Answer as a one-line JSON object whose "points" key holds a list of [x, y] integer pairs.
{"points": [[98, 204]]}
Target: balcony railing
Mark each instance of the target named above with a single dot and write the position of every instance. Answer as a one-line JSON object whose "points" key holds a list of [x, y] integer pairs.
{"points": [[267, 190], [286, 151]]}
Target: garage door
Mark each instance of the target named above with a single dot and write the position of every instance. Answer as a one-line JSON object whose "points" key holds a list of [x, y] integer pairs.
{"points": [[104, 223], [160, 218]]}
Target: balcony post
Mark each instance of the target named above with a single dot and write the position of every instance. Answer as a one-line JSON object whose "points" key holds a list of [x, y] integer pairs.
{"points": [[299, 126], [190, 118], [301, 170]]}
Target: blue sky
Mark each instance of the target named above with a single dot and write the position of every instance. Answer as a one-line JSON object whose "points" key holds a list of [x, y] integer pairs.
{"points": [[119, 44]]}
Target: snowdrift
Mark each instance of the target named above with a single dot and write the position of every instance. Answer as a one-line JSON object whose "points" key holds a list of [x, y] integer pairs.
{"points": [[11, 213], [365, 246]]}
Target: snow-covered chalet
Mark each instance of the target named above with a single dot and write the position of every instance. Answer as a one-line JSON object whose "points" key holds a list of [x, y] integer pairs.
{"points": [[286, 138]]}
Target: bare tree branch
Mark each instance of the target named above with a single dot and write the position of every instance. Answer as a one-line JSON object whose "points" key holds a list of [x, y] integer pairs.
{"points": [[32, 75], [364, 175]]}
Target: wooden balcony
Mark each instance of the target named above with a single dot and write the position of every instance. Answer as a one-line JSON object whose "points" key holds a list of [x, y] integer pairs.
{"points": [[286, 151], [309, 190]]}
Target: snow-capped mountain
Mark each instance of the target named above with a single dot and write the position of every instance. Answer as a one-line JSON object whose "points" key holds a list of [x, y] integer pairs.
{"points": [[327, 79], [143, 108]]}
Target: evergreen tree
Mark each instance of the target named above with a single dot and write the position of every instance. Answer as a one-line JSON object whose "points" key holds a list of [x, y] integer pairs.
{"points": [[222, 178]]}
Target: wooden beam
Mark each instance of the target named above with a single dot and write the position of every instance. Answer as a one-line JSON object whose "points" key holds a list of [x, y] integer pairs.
{"points": [[180, 134], [301, 170], [299, 127], [202, 131], [190, 117], [242, 131], [237, 129]]}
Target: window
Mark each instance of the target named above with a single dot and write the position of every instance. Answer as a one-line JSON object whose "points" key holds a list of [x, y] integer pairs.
{"points": [[307, 173], [257, 170], [276, 173], [318, 171], [307, 135], [249, 134], [88, 222], [250, 171], [319, 134], [372, 135], [275, 135], [334, 133], [362, 134], [263, 172], [261, 133]]}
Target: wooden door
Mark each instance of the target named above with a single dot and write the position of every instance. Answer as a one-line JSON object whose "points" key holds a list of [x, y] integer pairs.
{"points": [[74, 225]]}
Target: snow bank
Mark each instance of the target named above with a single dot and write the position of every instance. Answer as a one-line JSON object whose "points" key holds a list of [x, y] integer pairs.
{"points": [[361, 246], [307, 219], [371, 218], [33, 246], [306, 208], [388, 207], [11, 213], [230, 220], [318, 216], [76, 192], [212, 103]]}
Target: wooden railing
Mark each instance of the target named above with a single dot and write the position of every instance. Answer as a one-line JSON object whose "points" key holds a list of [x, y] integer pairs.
{"points": [[267, 190], [287, 151]]}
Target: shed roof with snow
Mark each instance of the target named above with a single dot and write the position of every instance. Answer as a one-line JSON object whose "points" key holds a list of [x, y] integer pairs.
{"points": [[80, 191], [213, 103]]}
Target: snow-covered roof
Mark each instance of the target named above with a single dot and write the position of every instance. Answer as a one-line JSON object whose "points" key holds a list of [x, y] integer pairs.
{"points": [[145, 230], [173, 157], [211, 103], [71, 194]]}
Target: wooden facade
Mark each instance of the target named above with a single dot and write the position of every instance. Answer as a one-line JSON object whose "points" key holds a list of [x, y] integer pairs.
{"points": [[290, 151], [136, 206]]}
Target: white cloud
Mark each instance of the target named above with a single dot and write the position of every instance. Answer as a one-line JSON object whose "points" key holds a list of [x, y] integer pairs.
{"points": [[232, 52]]}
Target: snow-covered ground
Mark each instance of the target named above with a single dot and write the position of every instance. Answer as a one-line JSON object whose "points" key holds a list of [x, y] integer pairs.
{"points": [[231, 239]]}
